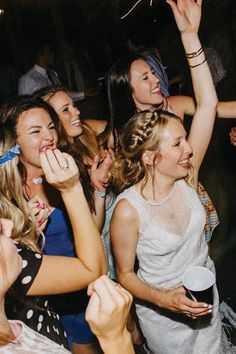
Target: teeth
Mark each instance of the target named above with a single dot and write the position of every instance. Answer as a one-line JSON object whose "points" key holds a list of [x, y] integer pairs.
{"points": [[76, 122], [184, 161]]}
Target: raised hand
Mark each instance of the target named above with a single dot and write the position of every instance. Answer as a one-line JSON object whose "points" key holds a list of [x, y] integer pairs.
{"points": [[60, 169], [187, 14], [39, 211], [99, 171]]}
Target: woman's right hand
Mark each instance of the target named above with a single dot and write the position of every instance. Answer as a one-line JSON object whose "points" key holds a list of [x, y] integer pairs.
{"points": [[60, 169], [176, 300], [187, 14]]}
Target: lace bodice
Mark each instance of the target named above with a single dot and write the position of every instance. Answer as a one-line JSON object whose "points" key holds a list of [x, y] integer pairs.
{"points": [[171, 234]]}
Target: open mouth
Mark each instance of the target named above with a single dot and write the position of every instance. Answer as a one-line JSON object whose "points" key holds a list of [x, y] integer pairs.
{"points": [[76, 123], [184, 163], [48, 147]]}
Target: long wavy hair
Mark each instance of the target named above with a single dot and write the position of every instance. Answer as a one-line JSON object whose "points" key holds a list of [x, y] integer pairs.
{"points": [[10, 113], [121, 103], [143, 132], [12, 203]]}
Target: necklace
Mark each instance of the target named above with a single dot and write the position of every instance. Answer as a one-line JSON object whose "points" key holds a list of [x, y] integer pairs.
{"points": [[37, 180]]}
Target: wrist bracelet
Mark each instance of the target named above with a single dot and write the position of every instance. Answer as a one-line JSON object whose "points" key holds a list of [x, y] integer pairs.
{"points": [[194, 66], [194, 54], [100, 194]]}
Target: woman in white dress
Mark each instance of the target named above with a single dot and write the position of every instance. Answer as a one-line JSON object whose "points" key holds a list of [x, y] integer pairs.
{"points": [[158, 216]]}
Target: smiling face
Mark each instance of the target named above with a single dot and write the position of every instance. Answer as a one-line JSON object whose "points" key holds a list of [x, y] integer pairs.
{"points": [[175, 152], [145, 85], [11, 262], [35, 131], [67, 112]]}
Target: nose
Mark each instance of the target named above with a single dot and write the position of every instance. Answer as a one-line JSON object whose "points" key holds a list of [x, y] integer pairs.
{"points": [[48, 135], [188, 148], [75, 111]]}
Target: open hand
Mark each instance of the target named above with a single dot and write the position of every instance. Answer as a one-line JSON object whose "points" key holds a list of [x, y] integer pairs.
{"points": [[187, 14]]}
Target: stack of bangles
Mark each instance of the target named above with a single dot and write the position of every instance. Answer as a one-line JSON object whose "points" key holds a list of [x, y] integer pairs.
{"points": [[195, 55]]}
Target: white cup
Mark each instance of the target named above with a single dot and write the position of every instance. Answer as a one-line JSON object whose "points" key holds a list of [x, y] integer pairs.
{"points": [[199, 283]]}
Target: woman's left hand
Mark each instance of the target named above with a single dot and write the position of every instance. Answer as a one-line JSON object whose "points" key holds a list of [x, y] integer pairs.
{"points": [[187, 14], [60, 169], [99, 171]]}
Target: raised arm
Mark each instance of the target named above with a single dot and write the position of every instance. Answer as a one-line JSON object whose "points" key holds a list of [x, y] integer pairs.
{"points": [[124, 235], [65, 274], [187, 15]]}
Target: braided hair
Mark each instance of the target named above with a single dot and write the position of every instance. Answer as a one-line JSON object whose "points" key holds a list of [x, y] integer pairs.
{"points": [[141, 133]]}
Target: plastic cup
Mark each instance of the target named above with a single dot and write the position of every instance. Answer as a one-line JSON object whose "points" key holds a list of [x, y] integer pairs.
{"points": [[199, 281]]}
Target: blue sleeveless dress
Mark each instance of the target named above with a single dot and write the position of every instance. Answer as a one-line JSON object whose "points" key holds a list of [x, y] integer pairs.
{"points": [[71, 307]]}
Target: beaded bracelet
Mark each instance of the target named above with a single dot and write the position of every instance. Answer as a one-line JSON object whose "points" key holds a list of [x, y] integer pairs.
{"points": [[194, 66], [100, 194], [194, 54]]}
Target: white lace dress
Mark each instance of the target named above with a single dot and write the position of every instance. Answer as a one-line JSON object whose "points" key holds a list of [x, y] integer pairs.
{"points": [[171, 240]]}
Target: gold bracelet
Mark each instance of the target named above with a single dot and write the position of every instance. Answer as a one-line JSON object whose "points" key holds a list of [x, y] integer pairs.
{"points": [[194, 54], [194, 66]]}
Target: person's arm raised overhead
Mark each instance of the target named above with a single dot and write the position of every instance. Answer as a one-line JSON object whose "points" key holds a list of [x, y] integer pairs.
{"points": [[187, 15], [65, 274]]}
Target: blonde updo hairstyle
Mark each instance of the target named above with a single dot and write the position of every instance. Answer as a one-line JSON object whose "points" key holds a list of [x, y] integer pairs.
{"points": [[142, 132]]}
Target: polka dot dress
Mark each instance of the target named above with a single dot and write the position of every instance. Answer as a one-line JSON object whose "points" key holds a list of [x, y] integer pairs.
{"points": [[33, 310]]}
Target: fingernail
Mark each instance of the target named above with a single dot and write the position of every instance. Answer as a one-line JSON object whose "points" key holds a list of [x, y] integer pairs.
{"points": [[40, 150], [39, 222], [210, 307], [210, 311]]}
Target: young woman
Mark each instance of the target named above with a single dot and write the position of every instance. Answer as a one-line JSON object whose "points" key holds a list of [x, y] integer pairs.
{"points": [[108, 302], [82, 143], [159, 216], [35, 132]]}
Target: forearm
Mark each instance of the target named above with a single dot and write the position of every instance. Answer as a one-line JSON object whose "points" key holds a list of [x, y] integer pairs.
{"points": [[122, 344], [203, 86], [99, 216], [87, 240], [139, 289]]}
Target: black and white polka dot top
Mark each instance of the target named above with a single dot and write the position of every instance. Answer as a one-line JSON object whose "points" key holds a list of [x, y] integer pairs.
{"points": [[33, 310]]}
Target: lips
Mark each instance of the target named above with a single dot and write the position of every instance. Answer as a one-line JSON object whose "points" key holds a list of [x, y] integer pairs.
{"points": [[48, 147], [184, 163]]}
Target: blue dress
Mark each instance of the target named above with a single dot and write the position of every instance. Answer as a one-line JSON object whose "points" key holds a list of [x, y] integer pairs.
{"points": [[71, 307]]}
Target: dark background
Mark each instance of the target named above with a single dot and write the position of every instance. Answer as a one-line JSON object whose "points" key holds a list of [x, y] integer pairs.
{"points": [[99, 37]]}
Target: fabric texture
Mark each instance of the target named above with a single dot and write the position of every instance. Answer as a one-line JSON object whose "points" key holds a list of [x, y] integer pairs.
{"points": [[31, 342], [105, 235], [34, 311], [171, 240], [59, 242]]}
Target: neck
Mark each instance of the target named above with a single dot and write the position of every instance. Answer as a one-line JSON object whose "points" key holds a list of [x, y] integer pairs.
{"points": [[158, 189]]}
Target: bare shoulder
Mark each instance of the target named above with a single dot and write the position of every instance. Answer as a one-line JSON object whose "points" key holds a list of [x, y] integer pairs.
{"points": [[125, 212], [182, 105], [96, 125]]}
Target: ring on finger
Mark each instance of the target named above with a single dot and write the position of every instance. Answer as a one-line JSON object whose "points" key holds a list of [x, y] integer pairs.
{"points": [[65, 167]]}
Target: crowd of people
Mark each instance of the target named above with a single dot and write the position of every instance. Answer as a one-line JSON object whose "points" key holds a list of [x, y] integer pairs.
{"points": [[95, 213]]}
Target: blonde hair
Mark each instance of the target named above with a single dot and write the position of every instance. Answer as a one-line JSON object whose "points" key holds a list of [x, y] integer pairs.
{"points": [[142, 132], [12, 203]]}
